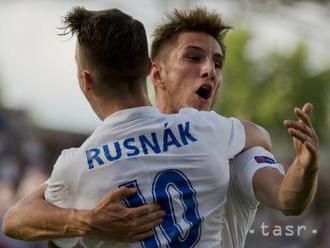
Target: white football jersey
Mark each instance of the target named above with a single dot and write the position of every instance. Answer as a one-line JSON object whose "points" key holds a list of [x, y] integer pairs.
{"points": [[179, 161], [241, 205]]}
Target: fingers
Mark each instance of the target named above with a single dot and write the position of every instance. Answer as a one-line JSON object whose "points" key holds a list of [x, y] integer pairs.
{"points": [[299, 126], [142, 220], [144, 231], [301, 131], [143, 225], [152, 219], [144, 210], [142, 236], [311, 148], [122, 193], [304, 117], [308, 108], [117, 195], [148, 226], [304, 130], [299, 135]]}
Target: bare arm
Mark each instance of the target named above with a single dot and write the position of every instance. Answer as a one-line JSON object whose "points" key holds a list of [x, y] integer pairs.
{"points": [[33, 218], [266, 184], [256, 136], [292, 193], [27, 219]]}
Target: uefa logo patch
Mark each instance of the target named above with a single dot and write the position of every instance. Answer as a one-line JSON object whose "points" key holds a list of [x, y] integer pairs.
{"points": [[264, 160]]}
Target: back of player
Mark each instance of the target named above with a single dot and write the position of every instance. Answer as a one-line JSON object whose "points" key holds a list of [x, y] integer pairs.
{"points": [[178, 161]]}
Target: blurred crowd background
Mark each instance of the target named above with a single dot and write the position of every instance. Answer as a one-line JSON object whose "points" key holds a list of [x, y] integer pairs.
{"points": [[263, 81]]}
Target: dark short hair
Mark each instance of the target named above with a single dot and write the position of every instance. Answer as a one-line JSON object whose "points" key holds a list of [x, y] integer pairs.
{"points": [[113, 43], [197, 19]]}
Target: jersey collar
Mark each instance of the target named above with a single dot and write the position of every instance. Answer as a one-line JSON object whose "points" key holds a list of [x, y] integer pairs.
{"points": [[132, 114]]}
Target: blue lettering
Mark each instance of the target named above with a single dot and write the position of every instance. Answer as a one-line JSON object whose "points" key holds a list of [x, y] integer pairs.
{"points": [[107, 152], [154, 146], [93, 154], [184, 133], [148, 144], [169, 139], [131, 147]]}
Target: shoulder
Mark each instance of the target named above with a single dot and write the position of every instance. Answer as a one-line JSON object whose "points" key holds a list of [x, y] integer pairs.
{"points": [[66, 162], [68, 155], [226, 131], [64, 175], [206, 116], [210, 121]]}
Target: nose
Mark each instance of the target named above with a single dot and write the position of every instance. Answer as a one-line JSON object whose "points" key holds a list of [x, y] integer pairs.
{"points": [[208, 70]]}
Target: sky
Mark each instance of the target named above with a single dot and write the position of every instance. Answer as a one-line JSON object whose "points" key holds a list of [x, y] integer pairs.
{"points": [[37, 70]]}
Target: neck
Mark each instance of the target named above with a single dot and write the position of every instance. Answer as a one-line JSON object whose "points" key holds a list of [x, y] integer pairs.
{"points": [[104, 107], [161, 103]]}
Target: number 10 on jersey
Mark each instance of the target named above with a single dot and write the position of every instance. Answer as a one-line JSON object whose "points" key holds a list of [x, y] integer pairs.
{"points": [[171, 230]]}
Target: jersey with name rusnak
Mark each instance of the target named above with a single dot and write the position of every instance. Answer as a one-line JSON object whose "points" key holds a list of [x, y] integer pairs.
{"points": [[179, 161]]}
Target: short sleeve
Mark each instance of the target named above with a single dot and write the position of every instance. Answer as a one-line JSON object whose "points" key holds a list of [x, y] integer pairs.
{"points": [[244, 166], [58, 193], [236, 141], [230, 132]]}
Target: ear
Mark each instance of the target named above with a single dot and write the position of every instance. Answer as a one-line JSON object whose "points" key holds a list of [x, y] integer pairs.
{"points": [[87, 81], [156, 75]]}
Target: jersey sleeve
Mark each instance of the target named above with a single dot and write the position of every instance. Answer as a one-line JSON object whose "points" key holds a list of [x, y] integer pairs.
{"points": [[236, 140], [230, 132], [58, 193], [245, 165]]}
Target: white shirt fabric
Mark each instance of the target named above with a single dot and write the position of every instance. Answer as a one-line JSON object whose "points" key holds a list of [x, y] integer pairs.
{"points": [[241, 206], [179, 161]]}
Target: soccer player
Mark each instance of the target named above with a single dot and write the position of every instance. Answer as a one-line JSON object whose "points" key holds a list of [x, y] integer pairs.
{"points": [[188, 55], [179, 161], [177, 72]]}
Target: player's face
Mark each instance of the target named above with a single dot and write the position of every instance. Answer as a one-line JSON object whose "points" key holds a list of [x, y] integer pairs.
{"points": [[193, 72]]}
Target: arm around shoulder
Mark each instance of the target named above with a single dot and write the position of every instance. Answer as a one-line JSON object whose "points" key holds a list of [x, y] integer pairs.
{"points": [[30, 219]]}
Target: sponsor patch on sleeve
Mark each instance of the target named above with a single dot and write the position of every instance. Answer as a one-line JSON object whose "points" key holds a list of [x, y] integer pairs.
{"points": [[264, 159]]}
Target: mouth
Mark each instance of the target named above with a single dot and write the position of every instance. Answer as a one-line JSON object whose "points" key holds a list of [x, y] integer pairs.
{"points": [[205, 91]]}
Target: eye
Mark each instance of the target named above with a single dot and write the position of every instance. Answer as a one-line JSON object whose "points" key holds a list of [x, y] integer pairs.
{"points": [[218, 64], [194, 58]]}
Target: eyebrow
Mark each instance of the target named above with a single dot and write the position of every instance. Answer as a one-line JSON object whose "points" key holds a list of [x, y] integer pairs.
{"points": [[217, 56]]}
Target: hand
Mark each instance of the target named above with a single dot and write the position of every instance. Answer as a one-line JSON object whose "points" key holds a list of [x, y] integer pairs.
{"points": [[305, 139], [110, 220]]}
